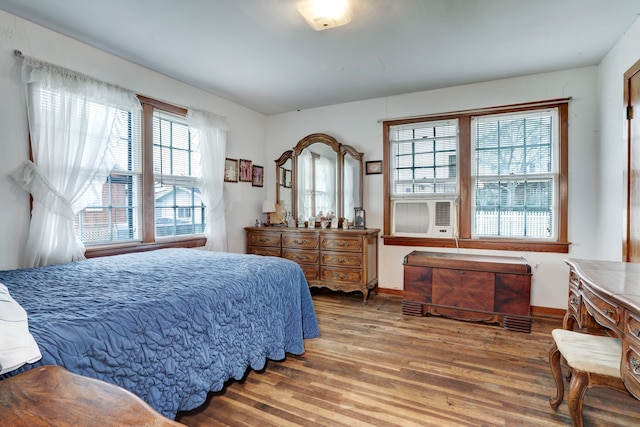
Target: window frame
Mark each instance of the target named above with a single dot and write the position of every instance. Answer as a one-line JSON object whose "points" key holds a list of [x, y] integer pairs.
{"points": [[147, 206], [465, 155]]}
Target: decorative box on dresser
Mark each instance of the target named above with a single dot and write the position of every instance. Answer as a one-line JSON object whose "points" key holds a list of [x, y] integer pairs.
{"points": [[477, 288], [334, 258]]}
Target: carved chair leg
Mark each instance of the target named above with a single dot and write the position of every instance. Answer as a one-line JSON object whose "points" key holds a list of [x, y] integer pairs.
{"points": [[577, 389], [556, 370]]}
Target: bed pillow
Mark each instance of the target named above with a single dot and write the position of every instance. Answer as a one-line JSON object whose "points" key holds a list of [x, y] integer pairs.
{"points": [[17, 345]]}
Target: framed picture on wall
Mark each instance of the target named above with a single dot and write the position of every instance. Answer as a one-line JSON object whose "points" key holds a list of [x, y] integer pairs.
{"points": [[360, 219], [257, 176], [374, 167], [231, 170], [245, 170]]}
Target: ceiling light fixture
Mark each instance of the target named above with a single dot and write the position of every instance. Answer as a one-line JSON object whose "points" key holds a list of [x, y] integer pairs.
{"points": [[324, 14]]}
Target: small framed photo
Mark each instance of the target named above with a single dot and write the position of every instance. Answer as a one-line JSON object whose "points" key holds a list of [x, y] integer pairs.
{"points": [[257, 176], [245, 170], [373, 167], [360, 219], [287, 178], [231, 170]]}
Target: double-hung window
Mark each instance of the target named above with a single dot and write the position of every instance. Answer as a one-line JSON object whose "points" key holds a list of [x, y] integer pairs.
{"points": [[179, 209], [487, 179], [515, 174], [163, 204], [114, 215], [424, 177]]}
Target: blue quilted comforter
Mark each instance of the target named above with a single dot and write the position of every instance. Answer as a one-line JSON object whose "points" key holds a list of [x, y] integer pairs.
{"points": [[168, 325]]}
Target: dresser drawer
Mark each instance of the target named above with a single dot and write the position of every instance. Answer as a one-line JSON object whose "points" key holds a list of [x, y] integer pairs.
{"points": [[633, 328], [605, 312], [331, 243], [263, 250], [341, 275], [630, 369], [300, 241], [311, 272], [301, 256], [339, 259], [263, 239]]}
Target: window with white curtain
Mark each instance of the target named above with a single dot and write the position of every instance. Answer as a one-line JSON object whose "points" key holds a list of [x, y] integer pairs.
{"points": [[117, 213], [114, 214]]}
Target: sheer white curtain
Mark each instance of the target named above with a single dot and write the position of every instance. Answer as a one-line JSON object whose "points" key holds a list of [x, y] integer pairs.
{"points": [[325, 185], [73, 125], [209, 132]]}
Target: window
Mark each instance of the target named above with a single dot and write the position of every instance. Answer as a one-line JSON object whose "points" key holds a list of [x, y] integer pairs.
{"points": [[135, 208], [176, 171], [487, 179], [514, 174], [115, 213]]}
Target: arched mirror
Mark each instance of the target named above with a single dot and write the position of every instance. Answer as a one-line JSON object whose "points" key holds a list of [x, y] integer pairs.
{"points": [[284, 180], [326, 177]]}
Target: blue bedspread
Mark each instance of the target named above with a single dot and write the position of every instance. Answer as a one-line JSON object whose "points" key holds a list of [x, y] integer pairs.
{"points": [[168, 325]]}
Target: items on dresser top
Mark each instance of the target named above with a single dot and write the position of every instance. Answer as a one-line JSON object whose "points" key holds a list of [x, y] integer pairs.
{"points": [[341, 260]]}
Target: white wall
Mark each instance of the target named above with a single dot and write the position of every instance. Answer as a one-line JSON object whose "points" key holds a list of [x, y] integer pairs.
{"points": [[358, 124], [613, 146], [246, 138]]}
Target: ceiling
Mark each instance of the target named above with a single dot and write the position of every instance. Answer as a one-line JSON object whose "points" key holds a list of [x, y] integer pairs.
{"points": [[261, 53]]}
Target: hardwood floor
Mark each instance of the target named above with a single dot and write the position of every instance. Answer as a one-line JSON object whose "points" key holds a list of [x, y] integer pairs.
{"points": [[372, 366]]}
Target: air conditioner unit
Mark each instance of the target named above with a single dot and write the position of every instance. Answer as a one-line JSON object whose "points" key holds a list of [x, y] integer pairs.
{"points": [[424, 218]]}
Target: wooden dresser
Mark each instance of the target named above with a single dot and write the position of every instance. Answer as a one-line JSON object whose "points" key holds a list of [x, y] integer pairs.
{"points": [[341, 260], [606, 294], [475, 288]]}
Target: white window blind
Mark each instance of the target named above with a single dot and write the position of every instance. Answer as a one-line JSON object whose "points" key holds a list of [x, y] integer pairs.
{"points": [[424, 159], [515, 174]]}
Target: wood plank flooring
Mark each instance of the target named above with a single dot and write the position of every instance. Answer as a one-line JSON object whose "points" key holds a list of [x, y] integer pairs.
{"points": [[372, 366]]}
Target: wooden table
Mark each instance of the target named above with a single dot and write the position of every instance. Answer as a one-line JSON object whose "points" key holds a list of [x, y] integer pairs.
{"points": [[52, 396], [606, 294]]}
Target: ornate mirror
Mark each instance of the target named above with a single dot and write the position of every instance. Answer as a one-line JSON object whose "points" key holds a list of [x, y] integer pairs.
{"points": [[326, 177]]}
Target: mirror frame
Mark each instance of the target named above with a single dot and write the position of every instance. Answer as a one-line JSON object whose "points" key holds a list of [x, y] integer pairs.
{"points": [[341, 150]]}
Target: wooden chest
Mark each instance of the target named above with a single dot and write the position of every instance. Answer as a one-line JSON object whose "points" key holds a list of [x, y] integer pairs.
{"points": [[475, 288]]}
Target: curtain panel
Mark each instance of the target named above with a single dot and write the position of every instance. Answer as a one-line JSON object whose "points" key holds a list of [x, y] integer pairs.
{"points": [[209, 132], [73, 127]]}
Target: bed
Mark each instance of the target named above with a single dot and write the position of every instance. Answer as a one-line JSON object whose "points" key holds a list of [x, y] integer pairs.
{"points": [[168, 325]]}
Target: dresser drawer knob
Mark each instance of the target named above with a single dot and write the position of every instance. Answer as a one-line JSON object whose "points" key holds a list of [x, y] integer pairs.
{"points": [[636, 332], [573, 299], [608, 311], [300, 257], [340, 276], [300, 242]]}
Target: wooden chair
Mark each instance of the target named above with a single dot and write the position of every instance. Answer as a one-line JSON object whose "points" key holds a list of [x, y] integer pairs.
{"points": [[593, 361]]}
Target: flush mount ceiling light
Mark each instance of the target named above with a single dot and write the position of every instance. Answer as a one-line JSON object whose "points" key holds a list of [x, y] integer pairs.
{"points": [[324, 14]]}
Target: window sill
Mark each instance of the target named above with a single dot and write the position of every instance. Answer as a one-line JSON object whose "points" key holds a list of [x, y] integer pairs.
{"points": [[489, 244], [100, 251]]}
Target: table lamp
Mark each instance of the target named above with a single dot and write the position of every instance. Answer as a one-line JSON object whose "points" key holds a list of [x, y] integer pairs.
{"points": [[268, 207]]}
